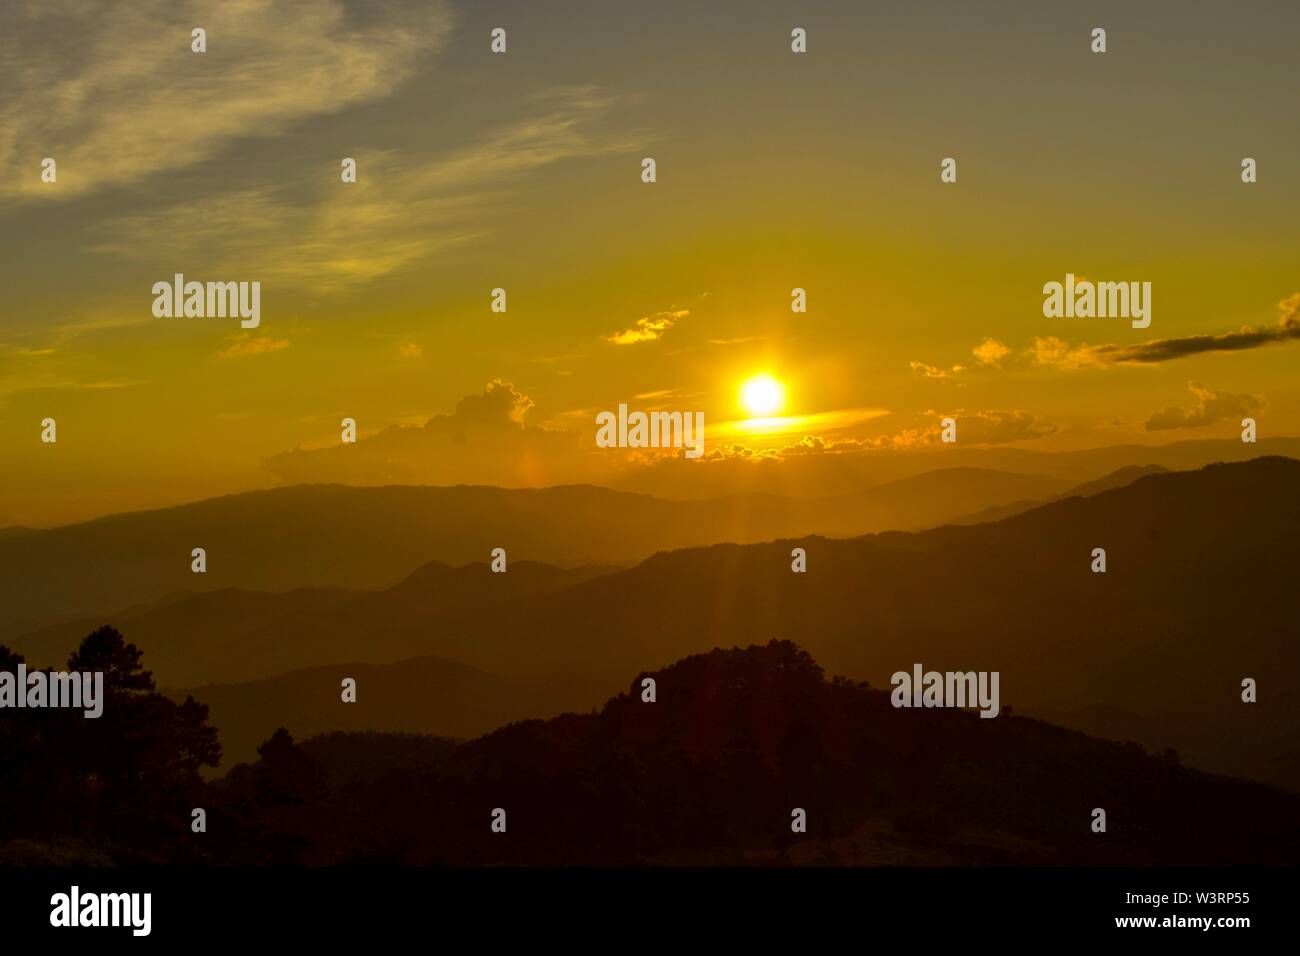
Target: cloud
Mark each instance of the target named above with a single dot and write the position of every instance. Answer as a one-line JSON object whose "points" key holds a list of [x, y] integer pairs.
{"points": [[933, 371], [410, 350], [973, 428], [486, 440], [499, 404], [24, 350], [1051, 351], [1054, 351], [990, 352], [10, 386], [1211, 406], [649, 328], [401, 210], [27, 370], [810, 445], [116, 96], [996, 428], [245, 344]]}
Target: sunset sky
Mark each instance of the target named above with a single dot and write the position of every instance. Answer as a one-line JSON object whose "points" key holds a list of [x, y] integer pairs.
{"points": [[522, 171]]}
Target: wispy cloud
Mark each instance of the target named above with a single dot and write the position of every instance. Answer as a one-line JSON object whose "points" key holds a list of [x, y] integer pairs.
{"points": [[1051, 351], [934, 371], [649, 328], [400, 210], [38, 382], [824, 424], [117, 95], [990, 353], [1164, 350], [245, 345]]}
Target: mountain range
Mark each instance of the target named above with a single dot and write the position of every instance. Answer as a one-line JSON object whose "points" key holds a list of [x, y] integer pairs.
{"points": [[363, 538], [1196, 597]]}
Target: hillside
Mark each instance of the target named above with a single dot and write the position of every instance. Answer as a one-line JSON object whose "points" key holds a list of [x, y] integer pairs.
{"points": [[712, 770]]}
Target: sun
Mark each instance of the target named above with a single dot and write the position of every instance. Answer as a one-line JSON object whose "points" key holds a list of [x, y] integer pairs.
{"points": [[762, 396]]}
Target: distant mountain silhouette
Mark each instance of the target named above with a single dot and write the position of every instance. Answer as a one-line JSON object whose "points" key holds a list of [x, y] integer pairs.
{"points": [[848, 471], [915, 502], [1199, 594], [423, 695], [1116, 479], [332, 536], [713, 769], [237, 635]]}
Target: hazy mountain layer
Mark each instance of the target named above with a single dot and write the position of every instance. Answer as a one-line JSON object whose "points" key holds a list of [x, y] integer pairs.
{"points": [[319, 536]]}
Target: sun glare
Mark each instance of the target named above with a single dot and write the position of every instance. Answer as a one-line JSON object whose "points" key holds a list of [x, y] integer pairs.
{"points": [[762, 396]]}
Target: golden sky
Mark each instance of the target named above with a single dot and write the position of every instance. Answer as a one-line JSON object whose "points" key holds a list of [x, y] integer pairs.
{"points": [[522, 171]]}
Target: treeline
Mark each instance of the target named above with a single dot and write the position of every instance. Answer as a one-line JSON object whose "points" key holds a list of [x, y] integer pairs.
{"points": [[744, 756], [119, 787]]}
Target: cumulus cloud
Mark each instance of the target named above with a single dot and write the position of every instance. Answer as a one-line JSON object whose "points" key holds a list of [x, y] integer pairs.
{"points": [[1055, 352], [116, 95], [990, 352], [649, 328], [1211, 406], [486, 440]]}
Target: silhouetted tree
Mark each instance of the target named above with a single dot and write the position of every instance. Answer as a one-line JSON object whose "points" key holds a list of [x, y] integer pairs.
{"points": [[285, 774], [127, 778], [104, 649]]}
